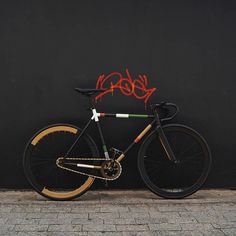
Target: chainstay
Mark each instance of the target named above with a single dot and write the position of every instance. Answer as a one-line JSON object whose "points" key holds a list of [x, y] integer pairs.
{"points": [[86, 159]]}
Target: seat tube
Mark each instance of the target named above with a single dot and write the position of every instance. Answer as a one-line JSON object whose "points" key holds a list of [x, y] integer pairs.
{"points": [[96, 119]]}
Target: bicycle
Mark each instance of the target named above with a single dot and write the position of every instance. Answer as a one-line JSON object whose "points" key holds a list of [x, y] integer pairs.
{"points": [[62, 161]]}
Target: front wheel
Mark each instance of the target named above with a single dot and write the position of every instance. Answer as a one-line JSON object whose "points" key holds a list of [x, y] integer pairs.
{"points": [[178, 179], [40, 158]]}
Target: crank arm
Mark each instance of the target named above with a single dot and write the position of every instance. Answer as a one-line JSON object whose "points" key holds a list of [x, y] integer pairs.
{"points": [[78, 164], [83, 165], [88, 166]]}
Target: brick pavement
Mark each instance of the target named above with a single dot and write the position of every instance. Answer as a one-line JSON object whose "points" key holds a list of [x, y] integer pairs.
{"points": [[208, 212]]}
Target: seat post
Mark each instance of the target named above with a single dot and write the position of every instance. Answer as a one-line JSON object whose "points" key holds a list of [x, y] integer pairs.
{"points": [[91, 101]]}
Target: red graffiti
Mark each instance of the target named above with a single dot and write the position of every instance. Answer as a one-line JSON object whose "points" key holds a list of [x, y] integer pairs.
{"points": [[125, 84]]}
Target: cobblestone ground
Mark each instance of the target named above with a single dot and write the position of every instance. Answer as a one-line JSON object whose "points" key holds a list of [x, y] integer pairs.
{"points": [[208, 212]]}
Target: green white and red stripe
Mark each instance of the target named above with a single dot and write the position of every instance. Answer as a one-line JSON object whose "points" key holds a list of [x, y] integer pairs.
{"points": [[119, 115]]}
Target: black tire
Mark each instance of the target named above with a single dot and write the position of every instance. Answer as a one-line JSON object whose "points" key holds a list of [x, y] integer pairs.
{"points": [[40, 167], [174, 180]]}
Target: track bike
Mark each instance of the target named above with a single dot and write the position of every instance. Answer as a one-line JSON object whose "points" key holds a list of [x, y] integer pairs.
{"points": [[62, 161]]}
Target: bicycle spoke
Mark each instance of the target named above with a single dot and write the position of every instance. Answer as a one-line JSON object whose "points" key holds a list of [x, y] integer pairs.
{"points": [[154, 161], [191, 157], [187, 149], [43, 152], [49, 172], [41, 162], [154, 170]]}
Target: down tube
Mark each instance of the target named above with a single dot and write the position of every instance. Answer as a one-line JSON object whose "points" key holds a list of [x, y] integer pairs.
{"points": [[136, 140]]}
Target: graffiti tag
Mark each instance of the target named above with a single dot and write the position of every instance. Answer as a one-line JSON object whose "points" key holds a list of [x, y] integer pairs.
{"points": [[125, 84]]}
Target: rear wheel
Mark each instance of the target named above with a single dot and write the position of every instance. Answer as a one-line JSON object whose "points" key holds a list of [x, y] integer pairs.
{"points": [[40, 158], [167, 178]]}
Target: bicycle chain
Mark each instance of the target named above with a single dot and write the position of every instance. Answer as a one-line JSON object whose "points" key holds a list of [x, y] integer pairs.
{"points": [[90, 159]]}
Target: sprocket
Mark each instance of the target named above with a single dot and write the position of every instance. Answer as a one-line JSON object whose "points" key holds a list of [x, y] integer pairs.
{"points": [[111, 169]]}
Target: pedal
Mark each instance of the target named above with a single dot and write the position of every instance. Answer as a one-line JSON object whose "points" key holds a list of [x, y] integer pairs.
{"points": [[105, 183]]}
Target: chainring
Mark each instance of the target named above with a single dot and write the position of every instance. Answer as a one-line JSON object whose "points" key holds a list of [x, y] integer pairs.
{"points": [[111, 169]]}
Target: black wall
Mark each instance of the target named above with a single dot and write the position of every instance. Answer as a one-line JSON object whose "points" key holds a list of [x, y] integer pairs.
{"points": [[187, 49]]}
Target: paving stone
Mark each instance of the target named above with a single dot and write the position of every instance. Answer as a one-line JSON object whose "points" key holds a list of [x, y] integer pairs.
{"points": [[22, 221], [130, 227], [56, 233], [8, 233], [141, 208], [164, 226], [54, 221], [221, 225], [114, 208], [102, 215], [110, 233], [119, 221], [178, 233], [99, 228], [222, 207], [85, 209], [139, 233], [211, 218], [155, 214], [56, 209], [167, 217], [29, 227], [134, 215], [213, 233], [65, 228], [172, 208], [23, 209], [30, 233], [73, 215], [12, 215], [126, 200], [41, 215], [196, 226], [4, 209], [199, 207], [87, 221], [68, 234], [181, 219], [229, 232], [3, 221], [148, 220], [230, 215], [173, 219], [6, 227]]}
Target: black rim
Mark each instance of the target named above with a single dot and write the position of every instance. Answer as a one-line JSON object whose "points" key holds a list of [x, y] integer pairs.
{"points": [[175, 179]]}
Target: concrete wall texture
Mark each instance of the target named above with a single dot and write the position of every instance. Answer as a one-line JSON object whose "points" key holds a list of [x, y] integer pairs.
{"points": [[186, 48]]}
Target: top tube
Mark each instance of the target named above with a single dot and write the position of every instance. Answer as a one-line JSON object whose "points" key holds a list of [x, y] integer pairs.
{"points": [[121, 115]]}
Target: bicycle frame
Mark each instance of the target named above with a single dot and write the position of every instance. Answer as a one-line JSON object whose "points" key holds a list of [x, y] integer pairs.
{"points": [[154, 123]]}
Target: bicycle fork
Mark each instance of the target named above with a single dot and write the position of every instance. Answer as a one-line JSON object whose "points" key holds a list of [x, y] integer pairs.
{"points": [[164, 141]]}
